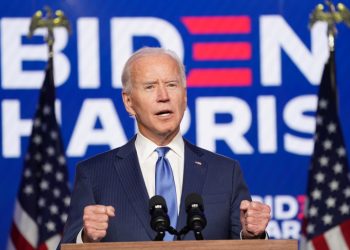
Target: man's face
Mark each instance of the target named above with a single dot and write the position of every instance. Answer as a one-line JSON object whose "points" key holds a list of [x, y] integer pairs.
{"points": [[157, 97]]}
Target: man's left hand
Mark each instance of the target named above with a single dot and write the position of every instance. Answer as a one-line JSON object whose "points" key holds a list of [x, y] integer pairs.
{"points": [[254, 219]]}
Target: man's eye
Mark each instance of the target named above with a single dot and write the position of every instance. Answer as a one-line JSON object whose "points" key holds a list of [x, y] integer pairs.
{"points": [[149, 87], [172, 84]]}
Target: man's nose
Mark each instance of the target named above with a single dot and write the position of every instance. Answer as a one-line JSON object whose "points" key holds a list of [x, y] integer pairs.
{"points": [[162, 93]]}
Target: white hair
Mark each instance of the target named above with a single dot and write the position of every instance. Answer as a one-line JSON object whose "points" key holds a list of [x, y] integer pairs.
{"points": [[146, 51]]}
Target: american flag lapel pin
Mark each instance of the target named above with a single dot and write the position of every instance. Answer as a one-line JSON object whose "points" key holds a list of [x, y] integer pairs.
{"points": [[198, 163]]}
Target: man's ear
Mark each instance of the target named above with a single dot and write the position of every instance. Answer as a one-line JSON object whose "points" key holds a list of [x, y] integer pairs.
{"points": [[128, 103]]}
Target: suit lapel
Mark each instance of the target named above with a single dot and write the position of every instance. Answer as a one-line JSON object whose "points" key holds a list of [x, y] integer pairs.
{"points": [[130, 176], [195, 171]]}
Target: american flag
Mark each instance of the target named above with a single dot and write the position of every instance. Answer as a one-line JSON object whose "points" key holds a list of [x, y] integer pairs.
{"points": [[327, 216], [43, 198]]}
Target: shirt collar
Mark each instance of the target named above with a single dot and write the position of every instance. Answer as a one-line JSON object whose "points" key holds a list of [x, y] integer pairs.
{"points": [[145, 147]]}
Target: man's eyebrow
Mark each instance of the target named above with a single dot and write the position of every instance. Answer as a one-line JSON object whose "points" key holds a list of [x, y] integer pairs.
{"points": [[172, 80], [149, 82]]}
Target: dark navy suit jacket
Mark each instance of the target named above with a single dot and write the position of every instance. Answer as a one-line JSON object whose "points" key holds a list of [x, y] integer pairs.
{"points": [[114, 178]]}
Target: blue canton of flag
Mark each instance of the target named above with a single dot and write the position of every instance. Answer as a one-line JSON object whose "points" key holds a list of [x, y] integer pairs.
{"points": [[327, 216], [43, 199]]}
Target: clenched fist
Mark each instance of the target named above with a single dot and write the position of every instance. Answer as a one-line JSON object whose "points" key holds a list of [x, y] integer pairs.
{"points": [[254, 219], [95, 220]]}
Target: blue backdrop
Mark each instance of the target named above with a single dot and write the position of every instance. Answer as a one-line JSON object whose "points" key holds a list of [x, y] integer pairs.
{"points": [[253, 71]]}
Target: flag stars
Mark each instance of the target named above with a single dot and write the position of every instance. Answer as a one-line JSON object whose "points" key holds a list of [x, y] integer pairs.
{"points": [[37, 139], [347, 192], [316, 194], [327, 144], [341, 152], [47, 167], [344, 209], [28, 189], [327, 219], [319, 177], [323, 104], [61, 160], [330, 202], [59, 176], [66, 201], [53, 135], [323, 160], [338, 168], [50, 151], [64, 217], [51, 226], [56, 192], [310, 228], [53, 209], [332, 128], [41, 202], [27, 173], [44, 185], [46, 110], [313, 211], [334, 185], [37, 122], [319, 120]]}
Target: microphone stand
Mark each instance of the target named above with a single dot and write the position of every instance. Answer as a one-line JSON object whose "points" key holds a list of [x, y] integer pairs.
{"points": [[160, 235], [197, 234], [183, 232]]}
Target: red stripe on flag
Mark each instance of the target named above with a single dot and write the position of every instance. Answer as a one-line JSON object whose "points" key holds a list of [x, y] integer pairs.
{"points": [[42, 247], [320, 243], [217, 25], [18, 240], [345, 229], [238, 77], [222, 51]]}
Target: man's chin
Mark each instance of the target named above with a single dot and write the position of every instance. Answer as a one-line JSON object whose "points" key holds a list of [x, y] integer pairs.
{"points": [[167, 133]]}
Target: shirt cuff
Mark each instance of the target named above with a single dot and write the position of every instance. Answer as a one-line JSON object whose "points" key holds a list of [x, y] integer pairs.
{"points": [[79, 238]]}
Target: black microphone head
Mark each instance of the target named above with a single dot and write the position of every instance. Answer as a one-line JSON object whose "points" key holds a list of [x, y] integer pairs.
{"points": [[194, 200], [157, 201], [196, 220], [160, 221]]}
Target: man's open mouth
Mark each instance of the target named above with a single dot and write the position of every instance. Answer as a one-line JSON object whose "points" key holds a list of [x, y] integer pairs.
{"points": [[164, 113]]}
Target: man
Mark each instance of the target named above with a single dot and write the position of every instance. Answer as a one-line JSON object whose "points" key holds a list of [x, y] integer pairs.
{"points": [[112, 190]]}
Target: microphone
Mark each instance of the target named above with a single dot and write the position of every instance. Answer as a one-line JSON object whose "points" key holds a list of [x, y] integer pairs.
{"points": [[159, 218], [160, 221], [196, 220]]}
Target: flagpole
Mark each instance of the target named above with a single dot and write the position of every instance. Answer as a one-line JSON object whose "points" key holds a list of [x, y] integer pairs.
{"points": [[50, 22], [331, 33], [335, 15]]}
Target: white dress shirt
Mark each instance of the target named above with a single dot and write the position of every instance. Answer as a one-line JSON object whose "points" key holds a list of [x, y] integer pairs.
{"points": [[148, 157]]}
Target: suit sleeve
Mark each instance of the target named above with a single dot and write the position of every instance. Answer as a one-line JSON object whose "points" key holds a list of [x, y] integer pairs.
{"points": [[82, 196], [239, 192]]}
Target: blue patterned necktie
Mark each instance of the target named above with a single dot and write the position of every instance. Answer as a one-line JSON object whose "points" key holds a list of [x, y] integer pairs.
{"points": [[165, 186]]}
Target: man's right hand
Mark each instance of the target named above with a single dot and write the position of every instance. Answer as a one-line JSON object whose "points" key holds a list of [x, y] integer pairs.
{"points": [[95, 221]]}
